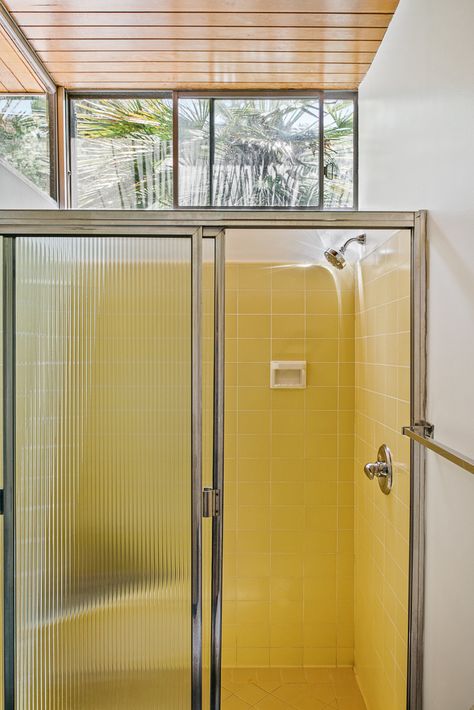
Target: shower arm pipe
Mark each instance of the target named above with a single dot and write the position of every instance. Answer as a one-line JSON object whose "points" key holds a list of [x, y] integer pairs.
{"points": [[360, 239]]}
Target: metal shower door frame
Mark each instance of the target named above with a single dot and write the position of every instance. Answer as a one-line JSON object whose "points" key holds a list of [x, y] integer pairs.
{"points": [[212, 223]]}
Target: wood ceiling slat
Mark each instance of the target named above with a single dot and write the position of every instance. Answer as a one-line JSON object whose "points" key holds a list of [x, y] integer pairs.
{"points": [[213, 58], [278, 34], [8, 79], [197, 77], [43, 45], [20, 77], [200, 67], [233, 6], [215, 86], [200, 19]]}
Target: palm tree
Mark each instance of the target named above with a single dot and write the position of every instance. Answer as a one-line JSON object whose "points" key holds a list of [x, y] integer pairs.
{"points": [[123, 153]]}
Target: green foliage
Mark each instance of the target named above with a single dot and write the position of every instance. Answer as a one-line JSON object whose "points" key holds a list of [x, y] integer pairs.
{"points": [[123, 149], [24, 137], [266, 152], [124, 118]]}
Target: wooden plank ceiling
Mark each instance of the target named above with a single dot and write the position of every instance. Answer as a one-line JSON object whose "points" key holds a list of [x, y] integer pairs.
{"points": [[15, 74], [205, 44]]}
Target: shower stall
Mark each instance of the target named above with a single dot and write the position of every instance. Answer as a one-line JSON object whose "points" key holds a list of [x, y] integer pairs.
{"points": [[189, 401]]}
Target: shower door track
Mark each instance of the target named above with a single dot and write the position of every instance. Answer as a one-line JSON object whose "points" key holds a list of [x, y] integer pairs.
{"points": [[212, 224]]}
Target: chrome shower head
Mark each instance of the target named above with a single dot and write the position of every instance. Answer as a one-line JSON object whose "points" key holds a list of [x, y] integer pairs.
{"points": [[336, 256]]}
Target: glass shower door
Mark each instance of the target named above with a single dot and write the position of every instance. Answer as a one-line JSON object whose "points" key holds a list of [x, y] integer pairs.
{"points": [[107, 478]]}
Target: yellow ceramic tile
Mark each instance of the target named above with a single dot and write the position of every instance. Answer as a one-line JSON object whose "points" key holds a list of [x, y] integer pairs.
{"points": [[253, 656], [322, 326], [253, 635], [253, 611], [287, 517], [288, 348], [256, 494], [251, 517], [287, 399], [322, 302], [322, 349], [253, 566], [252, 374], [253, 588], [254, 350], [231, 276], [254, 445], [254, 276], [321, 518], [321, 279], [288, 470], [286, 635], [321, 423], [287, 446], [254, 422], [288, 279], [253, 398], [286, 493], [322, 398], [254, 301], [283, 422], [286, 656], [321, 493], [283, 449], [288, 302], [382, 323], [253, 326], [288, 326], [251, 470], [253, 542], [322, 374]]}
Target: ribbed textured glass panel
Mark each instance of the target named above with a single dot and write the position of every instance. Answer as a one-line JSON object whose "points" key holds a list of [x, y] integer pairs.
{"points": [[103, 473], [1, 467]]}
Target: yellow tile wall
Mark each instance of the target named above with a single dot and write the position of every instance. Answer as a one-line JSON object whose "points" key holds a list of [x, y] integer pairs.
{"points": [[382, 522], [288, 560]]}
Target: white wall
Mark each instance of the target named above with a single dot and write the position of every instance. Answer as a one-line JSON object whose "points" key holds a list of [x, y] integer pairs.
{"points": [[417, 152], [18, 193]]}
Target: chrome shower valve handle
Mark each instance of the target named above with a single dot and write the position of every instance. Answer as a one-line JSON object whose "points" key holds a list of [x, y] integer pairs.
{"points": [[381, 469], [376, 469]]}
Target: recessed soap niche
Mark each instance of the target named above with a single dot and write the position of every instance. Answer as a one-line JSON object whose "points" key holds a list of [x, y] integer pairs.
{"points": [[288, 374]]}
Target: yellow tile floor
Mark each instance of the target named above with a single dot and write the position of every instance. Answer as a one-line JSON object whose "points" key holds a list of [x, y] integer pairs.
{"points": [[290, 689]]}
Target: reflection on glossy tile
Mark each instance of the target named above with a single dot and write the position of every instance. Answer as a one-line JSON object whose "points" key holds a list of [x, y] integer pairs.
{"points": [[290, 689]]}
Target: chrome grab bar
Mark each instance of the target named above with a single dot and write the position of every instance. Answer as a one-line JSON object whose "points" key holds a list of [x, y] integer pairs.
{"points": [[422, 433]]}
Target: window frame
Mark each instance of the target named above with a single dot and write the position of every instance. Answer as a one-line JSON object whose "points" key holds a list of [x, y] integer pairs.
{"points": [[175, 95]]}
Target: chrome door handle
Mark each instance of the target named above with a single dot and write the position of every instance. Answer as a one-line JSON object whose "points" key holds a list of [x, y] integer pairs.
{"points": [[381, 469]]}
